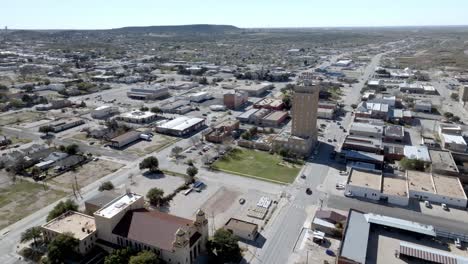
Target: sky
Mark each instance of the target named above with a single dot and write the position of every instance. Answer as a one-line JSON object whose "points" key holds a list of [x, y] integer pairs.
{"points": [[100, 14]]}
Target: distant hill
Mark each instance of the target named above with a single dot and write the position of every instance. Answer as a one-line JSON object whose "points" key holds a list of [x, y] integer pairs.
{"points": [[183, 29]]}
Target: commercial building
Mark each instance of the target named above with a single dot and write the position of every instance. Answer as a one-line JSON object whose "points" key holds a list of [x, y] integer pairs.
{"points": [[303, 135], [65, 124], [451, 138], [365, 157], [394, 133], [104, 111], [234, 100], [366, 130], [199, 97], [247, 116], [270, 103], [242, 229], [176, 107], [254, 89], [148, 92], [423, 106], [373, 145], [180, 126], [411, 88], [125, 139], [372, 238], [375, 84], [436, 188], [274, 119], [54, 104], [137, 117], [372, 110], [222, 131], [443, 162], [325, 113], [463, 94], [97, 202], [417, 153], [80, 225]]}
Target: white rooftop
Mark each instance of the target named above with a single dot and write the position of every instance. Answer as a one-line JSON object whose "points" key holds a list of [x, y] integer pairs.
{"points": [[417, 152], [137, 114], [181, 123], [102, 107], [453, 139], [117, 205]]}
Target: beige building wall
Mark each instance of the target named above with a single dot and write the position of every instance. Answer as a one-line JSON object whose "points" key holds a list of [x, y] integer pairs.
{"points": [[304, 111]]}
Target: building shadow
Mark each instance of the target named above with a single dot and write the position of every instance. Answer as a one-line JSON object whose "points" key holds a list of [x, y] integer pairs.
{"points": [[258, 242]]}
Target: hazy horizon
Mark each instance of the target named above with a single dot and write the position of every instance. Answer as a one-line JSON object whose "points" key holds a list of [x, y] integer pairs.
{"points": [[88, 14]]}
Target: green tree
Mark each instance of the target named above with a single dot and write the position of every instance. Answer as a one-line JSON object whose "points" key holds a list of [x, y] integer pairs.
{"points": [[119, 256], [156, 110], [33, 233], [35, 171], [192, 171], [448, 115], [154, 196], [144, 108], [246, 135], [225, 246], [353, 106], [144, 257], [106, 186], [175, 151], [150, 163], [454, 96], [456, 119], [62, 247], [412, 164], [61, 208], [46, 129], [287, 101], [72, 149]]}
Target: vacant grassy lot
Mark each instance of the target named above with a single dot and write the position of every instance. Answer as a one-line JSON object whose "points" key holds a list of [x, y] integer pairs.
{"points": [[19, 117], [258, 164], [159, 142], [23, 198]]}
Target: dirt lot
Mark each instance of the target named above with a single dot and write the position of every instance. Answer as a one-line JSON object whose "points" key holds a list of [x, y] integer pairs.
{"points": [[143, 147], [88, 173], [23, 198]]}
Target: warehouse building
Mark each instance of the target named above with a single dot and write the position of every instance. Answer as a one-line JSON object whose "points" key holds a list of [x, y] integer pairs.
{"points": [[148, 92], [137, 117], [423, 106], [104, 111], [180, 126], [255, 89], [199, 97], [125, 139], [372, 238], [65, 124], [366, 130], [176, 107], [247, 116]]}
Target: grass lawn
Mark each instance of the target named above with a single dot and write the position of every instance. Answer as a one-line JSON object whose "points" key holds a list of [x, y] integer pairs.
{"points": [[258, 164], [19, 117]]}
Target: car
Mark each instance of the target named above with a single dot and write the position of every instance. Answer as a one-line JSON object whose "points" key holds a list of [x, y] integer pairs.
{"points": [[308, 191], [330, 140], [348, 194], [427, 204], [341, 127], [242, 201], [339, 186], [458, 243], [303, 176], [445, 207], [338, 123], [344, 130], [92, 143], [343, 173], [334, 140], [95, 159]]}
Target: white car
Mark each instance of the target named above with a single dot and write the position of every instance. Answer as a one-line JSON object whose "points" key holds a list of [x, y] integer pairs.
{"points": [[348, 194], [343, 173], [458, 243], [445, 207]]}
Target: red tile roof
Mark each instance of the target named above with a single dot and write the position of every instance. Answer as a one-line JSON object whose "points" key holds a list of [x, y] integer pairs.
{"points": [[151, 227]]}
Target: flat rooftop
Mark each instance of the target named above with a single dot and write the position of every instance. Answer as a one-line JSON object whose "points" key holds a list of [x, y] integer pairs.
{"points": [[420, 181], [394, 185], [276, 115], [237, 224], [443, 160], [117, 205], [364, 178], [383, 244], [137, 114], [453, 139], [448, 186], [80, 225], [181, 123], [254, 86]]}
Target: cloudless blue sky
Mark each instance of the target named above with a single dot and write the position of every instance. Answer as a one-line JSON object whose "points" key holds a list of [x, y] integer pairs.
{"points": [[100, 14]]}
